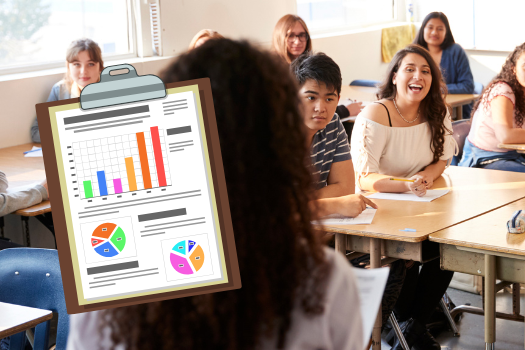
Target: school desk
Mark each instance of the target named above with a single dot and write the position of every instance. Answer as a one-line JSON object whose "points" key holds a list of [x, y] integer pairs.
{"points": [[483, 247], [22, 171], [364, 93], [16, 318], [472, 192], [520, 147]]}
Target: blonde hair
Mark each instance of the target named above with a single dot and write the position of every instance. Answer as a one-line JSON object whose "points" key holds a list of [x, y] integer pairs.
{"points": [[280, 33], [75, 48], [205, 33]]}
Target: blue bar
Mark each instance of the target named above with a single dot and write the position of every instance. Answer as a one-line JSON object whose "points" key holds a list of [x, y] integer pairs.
{"points": [[102, 183]]}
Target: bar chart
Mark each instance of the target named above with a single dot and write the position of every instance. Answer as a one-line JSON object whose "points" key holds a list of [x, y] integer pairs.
{"points": [[119, 164]]}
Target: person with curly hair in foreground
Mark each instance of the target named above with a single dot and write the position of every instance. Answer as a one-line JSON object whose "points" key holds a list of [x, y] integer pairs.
{"points": [[290, 282], [498, 118]]}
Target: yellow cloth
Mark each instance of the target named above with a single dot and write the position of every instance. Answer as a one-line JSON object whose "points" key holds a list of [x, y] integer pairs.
{"points": [[396, 38]]}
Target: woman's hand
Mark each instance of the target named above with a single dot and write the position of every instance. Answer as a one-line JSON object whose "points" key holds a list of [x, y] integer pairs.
{"points": [[352, 205], [353, 107], [428, 180], [417, 187]]}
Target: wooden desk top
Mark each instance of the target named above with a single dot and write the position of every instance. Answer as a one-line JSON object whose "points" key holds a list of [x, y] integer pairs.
{"points": [[487, 232], [23, 171], [363, 93], [15, 318], [516, 146], [472, 192]]}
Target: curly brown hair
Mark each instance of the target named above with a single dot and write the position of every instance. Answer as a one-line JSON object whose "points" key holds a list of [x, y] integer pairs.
{"points": [[280, 256], [433, 106], [507, 75]]}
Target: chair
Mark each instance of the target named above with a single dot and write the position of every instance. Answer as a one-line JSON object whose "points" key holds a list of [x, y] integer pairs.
{"points": [[478, 88], [365, 82], [460, 129], [31, 277]]}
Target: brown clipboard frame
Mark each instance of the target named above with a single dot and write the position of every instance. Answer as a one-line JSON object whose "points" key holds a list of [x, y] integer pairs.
{"points": [[221, 195]]}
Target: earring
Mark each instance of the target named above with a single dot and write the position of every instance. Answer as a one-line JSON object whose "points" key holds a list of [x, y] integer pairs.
{"points": [[394, 82]]}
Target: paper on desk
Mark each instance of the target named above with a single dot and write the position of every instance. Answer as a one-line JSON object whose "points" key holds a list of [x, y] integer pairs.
{"points": [[365, 218], [409, 196], [370, 286], [34, 154]]}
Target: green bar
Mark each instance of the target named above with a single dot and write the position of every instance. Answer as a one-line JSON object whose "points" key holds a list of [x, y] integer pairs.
{"points": [[88, 190]]}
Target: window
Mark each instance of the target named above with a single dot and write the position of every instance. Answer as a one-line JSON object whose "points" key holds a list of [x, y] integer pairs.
{"points": [[37, 32], [331, 15], [479, 24]]}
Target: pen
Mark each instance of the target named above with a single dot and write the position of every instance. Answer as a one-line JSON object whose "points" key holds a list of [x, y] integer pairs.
{"points": [[33, 150], [397, 179]]}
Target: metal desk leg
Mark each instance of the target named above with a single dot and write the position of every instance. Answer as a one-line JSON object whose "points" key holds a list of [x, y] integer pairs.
{"points": [[490, 301], [459, 112], [1, 226], [25, 225], [340, 243], [375, 263]]}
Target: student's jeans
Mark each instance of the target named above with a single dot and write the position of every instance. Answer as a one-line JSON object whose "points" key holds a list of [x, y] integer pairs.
{"points": [[478, 158]]}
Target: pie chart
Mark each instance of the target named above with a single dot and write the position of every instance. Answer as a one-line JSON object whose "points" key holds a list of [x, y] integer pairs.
{"points": [[187, 257], [108, 240]]}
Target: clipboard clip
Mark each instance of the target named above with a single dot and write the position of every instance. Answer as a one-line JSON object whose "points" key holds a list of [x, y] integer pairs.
{"points": [[122, 88]]}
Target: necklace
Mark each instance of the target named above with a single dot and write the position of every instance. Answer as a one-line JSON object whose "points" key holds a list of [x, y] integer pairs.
{"points": [[410, 122]]}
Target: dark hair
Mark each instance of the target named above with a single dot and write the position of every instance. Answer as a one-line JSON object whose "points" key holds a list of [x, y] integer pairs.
{"points": [[507, 75], [449, 38], [318, 67], [280, 256], [433, 106]]}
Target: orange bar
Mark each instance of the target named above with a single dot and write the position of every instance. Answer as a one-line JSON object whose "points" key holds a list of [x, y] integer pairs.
{"points": [[144, 165], [130, 169]]}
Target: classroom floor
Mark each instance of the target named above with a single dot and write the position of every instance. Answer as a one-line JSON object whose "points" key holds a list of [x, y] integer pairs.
{"points": [[509, 334]]}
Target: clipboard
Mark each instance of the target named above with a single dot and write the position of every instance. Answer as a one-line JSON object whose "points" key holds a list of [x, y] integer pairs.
{"points": [[137, 187]]}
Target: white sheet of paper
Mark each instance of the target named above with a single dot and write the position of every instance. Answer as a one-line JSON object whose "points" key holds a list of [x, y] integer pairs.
{"points": [[409, 196], [34, 154], [365, 218], [371, 285]]}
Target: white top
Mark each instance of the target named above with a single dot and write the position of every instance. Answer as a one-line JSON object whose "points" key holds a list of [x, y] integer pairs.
{"points": [[396, 151], [339, 327]]}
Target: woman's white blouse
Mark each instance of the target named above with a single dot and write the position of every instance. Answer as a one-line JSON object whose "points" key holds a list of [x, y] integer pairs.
{"points": [[396, 151]]}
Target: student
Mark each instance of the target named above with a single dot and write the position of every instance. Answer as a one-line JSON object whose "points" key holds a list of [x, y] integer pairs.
{"points": [[407, 134], [499, 118], [291, 39], [83, 67], [10, 202], [319, 79], [435, 35], [289, 281], [202, 36]]}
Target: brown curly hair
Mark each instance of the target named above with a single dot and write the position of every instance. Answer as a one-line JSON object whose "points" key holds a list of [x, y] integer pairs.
{"points": [[280, 256], [433, 106], [507, 75]]}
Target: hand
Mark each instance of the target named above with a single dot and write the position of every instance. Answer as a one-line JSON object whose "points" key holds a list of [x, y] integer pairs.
{"points": [[353, 107], [44, 184], [417, 187], [352, 205], [428, 180]]}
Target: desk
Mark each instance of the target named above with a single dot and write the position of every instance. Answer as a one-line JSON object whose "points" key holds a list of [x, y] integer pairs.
{"points": [[520, 147], [472, 192], [483, 247], [15, 318], [22, 171], [363, 93]]}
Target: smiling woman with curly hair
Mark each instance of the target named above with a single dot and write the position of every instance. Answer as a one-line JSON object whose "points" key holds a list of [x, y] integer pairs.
{"points": [[289, 281], [499, 118]]}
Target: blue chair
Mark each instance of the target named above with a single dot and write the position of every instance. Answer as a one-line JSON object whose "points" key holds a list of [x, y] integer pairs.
{"points": [[31, 277], [460, 129], [478, 88], [365, 82]]}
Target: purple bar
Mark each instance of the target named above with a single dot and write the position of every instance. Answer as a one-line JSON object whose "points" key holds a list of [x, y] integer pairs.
{"points": [[118, 185]]}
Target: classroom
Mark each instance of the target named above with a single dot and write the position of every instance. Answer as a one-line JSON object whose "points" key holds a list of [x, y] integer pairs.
{"points": [[371, 156]]}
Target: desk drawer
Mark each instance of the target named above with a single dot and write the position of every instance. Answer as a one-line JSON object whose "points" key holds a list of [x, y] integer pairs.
{"points": [[389, 248], [508, 268]]}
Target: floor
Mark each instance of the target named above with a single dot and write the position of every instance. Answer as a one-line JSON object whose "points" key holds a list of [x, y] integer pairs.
{"points": [[510, 335]]}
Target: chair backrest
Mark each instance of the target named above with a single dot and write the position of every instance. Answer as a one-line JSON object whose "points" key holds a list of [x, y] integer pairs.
{"points": [[31, 277], [365, 82], [460, 129], [478, 88]]}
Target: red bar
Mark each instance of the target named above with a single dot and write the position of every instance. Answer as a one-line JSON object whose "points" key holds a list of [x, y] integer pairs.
{"points": [[158, 155], [144, 165]]}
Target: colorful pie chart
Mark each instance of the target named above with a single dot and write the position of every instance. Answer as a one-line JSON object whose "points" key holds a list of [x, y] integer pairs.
{"points": [[187, 257], [108, 240]]}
